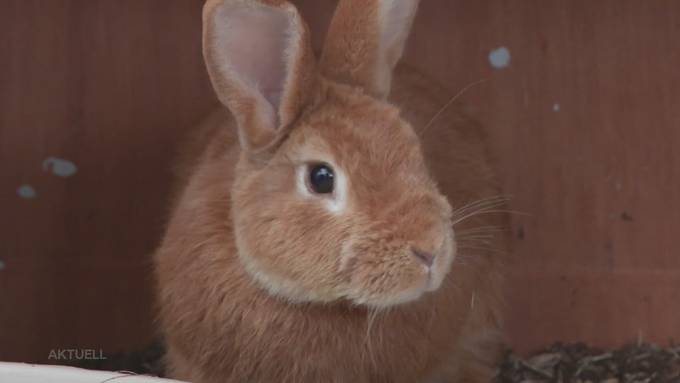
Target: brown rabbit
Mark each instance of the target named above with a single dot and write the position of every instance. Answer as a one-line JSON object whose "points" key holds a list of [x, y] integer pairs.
{"points": [[314, 238]]}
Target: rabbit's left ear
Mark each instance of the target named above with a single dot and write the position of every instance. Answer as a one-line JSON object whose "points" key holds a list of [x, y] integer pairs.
{"points": [[261, 64], [365, 41]]}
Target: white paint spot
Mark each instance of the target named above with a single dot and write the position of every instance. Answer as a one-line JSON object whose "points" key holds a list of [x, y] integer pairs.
{"points": [[618, 186], [556, 107], [499, 58], [2, 265], [60, 167], [26, 192]]}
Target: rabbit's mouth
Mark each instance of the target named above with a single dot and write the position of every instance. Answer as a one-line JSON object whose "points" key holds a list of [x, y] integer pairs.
{"points": [[396, 277]]}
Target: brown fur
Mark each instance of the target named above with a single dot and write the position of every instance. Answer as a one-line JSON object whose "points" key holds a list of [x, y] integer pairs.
{"points": [[258, 284], [352, 52]]}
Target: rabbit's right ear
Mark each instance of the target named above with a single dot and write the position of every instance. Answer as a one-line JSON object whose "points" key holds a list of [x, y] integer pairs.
{"points": [[365, 41], [261, 64]]}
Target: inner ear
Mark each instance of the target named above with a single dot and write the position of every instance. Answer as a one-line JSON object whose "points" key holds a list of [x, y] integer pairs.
{"points": [[395, 22], [260, 62], [254, 46]]}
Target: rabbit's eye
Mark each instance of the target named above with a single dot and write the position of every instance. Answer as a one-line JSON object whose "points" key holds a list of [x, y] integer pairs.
{"points": [[321, 179]]}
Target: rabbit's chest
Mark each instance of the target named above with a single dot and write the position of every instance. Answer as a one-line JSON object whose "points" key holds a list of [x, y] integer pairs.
{"points": [[313, 345]]}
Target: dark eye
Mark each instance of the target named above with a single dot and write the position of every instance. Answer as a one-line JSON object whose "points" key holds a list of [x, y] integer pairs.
{"points": [[321, 179]]}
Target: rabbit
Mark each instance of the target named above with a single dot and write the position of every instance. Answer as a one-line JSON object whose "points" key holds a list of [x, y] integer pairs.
{"points": [[325, 225]]}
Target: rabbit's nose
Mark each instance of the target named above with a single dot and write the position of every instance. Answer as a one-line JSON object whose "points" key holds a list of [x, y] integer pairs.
{"points": [[425, 257]]}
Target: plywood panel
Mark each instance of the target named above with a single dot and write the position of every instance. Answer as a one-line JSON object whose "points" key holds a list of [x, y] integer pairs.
{"points": [[110, 86], [584, 121]]}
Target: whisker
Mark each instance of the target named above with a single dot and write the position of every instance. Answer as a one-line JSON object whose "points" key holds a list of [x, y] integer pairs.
{"points": [[450, 102], [484, 248], [482, 230], [370, 319], [479, 235], [478, 205], [483, 241], [481, 201], [482, 206], [492, 211]]}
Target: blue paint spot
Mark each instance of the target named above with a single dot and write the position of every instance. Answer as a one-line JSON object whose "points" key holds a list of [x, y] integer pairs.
{"points": [[26, 192], [60, 167], [499, 58]]}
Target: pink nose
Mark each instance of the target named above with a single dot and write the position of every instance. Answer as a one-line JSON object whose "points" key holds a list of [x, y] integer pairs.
{"points": [[423, 256]]}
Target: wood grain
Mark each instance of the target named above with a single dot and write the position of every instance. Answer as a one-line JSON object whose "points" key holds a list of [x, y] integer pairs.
{"points": [[111, 86], [114, 86]]}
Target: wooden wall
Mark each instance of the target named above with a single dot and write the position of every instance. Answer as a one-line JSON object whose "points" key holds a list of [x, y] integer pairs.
{"points": [[585, 120]]}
